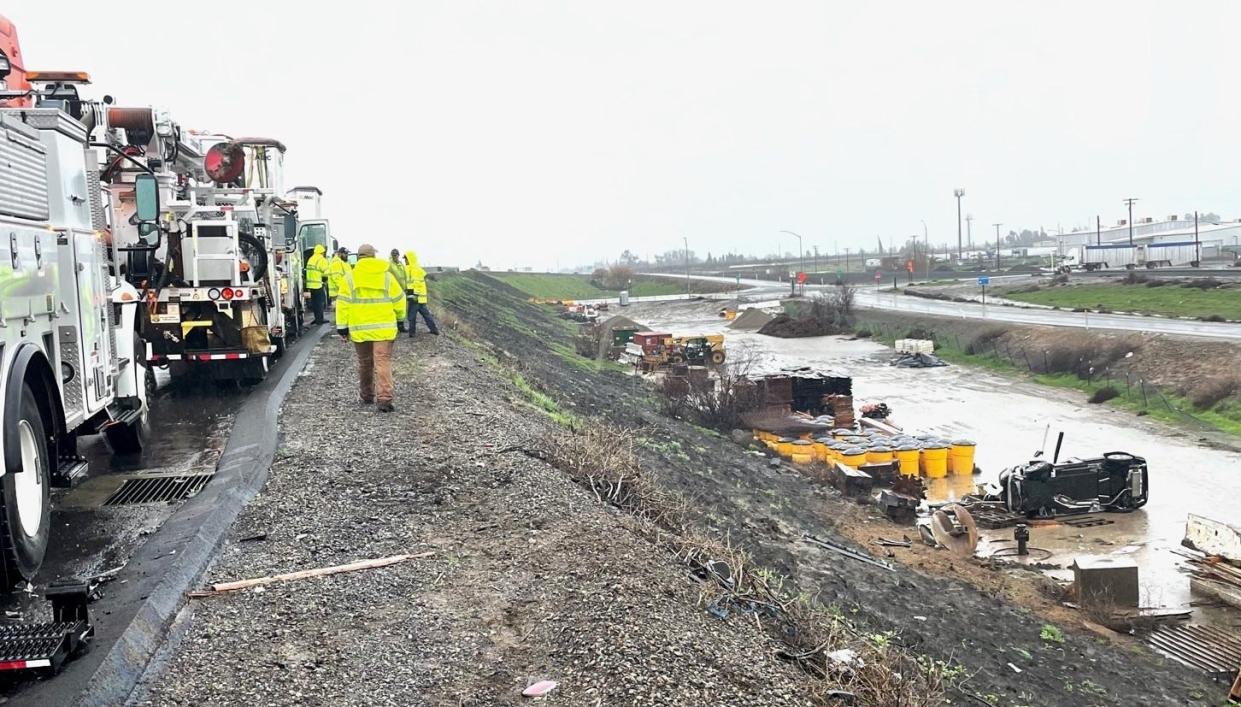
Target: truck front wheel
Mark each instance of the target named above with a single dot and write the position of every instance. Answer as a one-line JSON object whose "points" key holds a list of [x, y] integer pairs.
{"points": [[25, 516]]}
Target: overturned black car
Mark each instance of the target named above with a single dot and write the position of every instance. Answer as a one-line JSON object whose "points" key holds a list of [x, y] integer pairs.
{"points": [[1115, 482]]}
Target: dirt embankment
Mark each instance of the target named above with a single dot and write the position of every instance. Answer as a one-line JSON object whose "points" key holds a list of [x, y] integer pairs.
{"points": [[925, 606], [1195, 368], [529, 577]]}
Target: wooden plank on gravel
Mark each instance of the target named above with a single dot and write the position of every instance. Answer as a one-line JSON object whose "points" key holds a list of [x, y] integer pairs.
{"points": [[225, 587]]}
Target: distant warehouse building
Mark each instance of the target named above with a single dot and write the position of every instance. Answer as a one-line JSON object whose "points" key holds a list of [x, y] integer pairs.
{"points": [[1214, 240]]}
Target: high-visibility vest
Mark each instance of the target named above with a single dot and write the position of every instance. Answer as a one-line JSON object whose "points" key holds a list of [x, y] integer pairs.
{"points": [[336, 269], [415, 278], [316, 267], [370, 302]]}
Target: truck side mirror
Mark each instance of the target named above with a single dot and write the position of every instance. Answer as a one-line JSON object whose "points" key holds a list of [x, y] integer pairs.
{"points": [[290, 231], [146, 197]]}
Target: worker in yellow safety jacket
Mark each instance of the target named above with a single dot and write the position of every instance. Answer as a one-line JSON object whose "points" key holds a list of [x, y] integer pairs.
{"points": [[368, 306], [316, 271], [336, 269], [416, 295]]}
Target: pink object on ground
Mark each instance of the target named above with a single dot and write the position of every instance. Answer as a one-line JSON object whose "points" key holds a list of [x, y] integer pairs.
{"points": [[539, 688]]}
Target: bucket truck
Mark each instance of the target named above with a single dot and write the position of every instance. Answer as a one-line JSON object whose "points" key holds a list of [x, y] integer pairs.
{"points": [[70, 364]]}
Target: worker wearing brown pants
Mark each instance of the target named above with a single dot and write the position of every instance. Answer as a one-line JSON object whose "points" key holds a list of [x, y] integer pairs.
{"points": [[370, 303], [375, 371]]}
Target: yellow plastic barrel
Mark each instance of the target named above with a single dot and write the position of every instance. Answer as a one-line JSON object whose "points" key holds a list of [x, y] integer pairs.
{"points": [[762, 435], [935, 460], [803, 451], [962, 456], [854, 457], [907, 456], [784, 446], [822, 452], [878, 454]]}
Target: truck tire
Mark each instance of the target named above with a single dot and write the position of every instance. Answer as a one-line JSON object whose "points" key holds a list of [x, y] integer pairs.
{"points": [[717, 357], [25, 518]]}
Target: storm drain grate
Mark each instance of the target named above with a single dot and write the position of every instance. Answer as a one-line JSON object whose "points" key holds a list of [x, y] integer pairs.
{"points": [[157, 489]]}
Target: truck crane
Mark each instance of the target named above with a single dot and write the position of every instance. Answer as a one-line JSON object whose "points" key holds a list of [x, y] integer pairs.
{"points": [[209, 270], [70, 364]]}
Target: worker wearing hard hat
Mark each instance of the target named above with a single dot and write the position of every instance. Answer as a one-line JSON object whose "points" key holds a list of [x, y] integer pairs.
{"points": [[316, 271], [368, 307], [416, 295], [336, 269]]}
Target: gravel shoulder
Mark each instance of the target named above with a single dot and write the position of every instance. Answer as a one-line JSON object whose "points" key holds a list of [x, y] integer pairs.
{"points": [[531, 578]]}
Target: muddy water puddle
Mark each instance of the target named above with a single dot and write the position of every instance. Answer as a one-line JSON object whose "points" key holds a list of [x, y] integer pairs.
{"points": [[1010, 420]]}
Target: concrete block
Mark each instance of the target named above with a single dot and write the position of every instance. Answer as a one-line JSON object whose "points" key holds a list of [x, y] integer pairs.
{"points": [[1109, 582]]}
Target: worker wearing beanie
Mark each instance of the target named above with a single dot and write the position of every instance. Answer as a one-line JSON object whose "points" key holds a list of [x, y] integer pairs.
{"points": [[416, 294], [316, 270], [336, 269], [368, 307]]}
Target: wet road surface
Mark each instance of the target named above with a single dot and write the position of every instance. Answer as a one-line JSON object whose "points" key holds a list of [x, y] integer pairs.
{"points": [[1008, 419], [188, 428]]}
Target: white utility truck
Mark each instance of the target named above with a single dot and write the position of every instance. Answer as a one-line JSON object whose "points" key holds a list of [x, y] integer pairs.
{"points": [[68, 360]]}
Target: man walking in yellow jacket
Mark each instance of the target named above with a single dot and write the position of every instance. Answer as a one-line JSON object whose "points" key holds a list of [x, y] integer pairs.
{"points": [[368, 307]]}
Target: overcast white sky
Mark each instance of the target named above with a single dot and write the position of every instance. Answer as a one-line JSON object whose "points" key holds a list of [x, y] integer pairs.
{"points": [[541, 133]]}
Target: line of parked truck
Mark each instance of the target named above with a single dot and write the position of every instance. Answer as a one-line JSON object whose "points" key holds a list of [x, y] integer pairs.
{"points": [[128, 242]]}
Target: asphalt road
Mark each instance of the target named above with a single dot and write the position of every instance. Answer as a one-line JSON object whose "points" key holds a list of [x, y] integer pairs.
{"points": [[151, 553], [871, 298]]}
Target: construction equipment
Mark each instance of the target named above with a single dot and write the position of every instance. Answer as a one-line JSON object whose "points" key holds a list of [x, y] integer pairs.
{"points": [[648, 349], [70, 364], [698, 350]]}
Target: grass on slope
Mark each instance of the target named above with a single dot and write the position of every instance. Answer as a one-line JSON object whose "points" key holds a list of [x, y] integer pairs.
{"points": [[567, 286], [1172, 300], [1146, 400]]}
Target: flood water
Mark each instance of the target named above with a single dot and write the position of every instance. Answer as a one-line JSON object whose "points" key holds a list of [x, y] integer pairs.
{"points": [[1009, 420]]}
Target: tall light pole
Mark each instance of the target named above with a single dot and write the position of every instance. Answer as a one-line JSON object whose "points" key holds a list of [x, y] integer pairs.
{"points": [[801, 252], [958, 193], [997, 245], [927, 240], [1130, 203], [686, 240]]}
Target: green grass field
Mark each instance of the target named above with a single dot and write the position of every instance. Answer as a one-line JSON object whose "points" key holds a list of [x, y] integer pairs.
{"points": [[564, 286], [1170, 300]]}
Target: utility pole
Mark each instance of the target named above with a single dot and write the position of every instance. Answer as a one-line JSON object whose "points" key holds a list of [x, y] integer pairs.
{"points": [[997, 245], [686, 239], [1197, 245], [958, 193], [1130, 203], [969, 230], [927, 240], [1098, 230], [816, 258]]}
